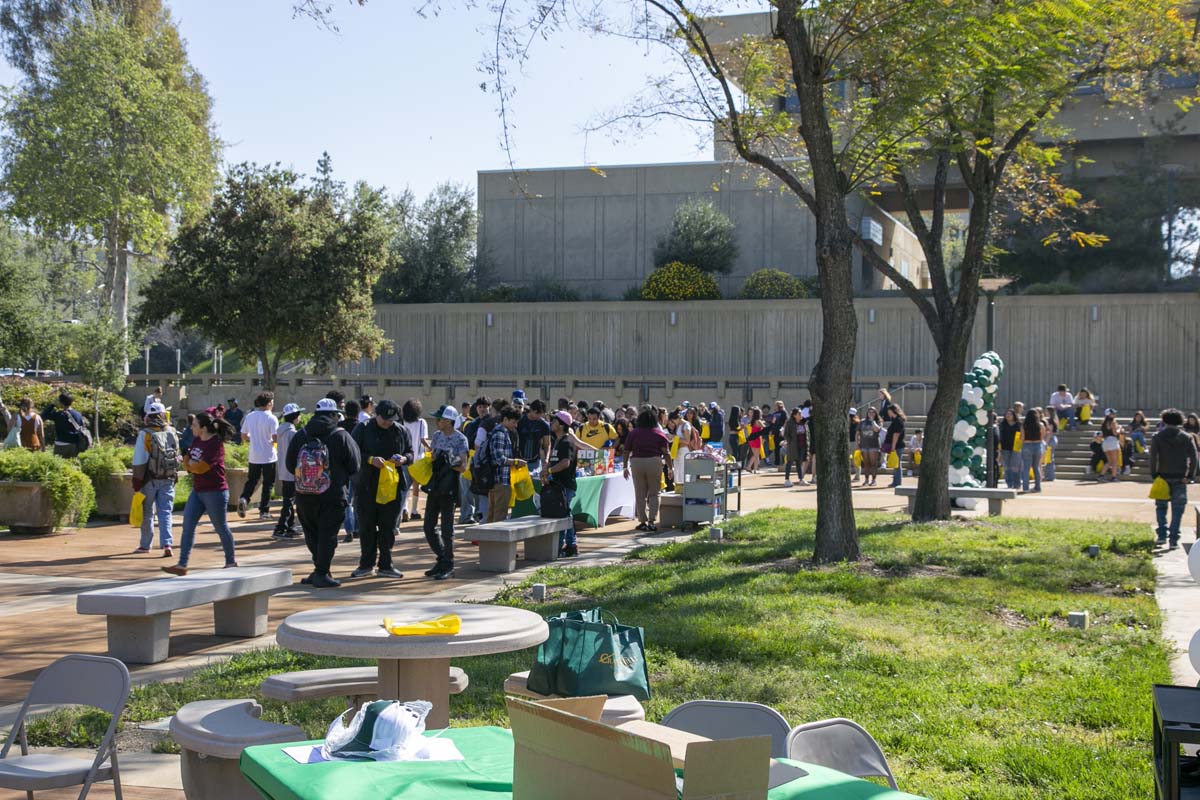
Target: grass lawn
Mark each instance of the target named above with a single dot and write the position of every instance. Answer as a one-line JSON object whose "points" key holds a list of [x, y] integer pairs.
{"points": [[948, 642]]}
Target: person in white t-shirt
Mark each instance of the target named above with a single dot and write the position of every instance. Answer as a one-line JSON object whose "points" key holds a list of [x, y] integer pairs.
{"points": [[1063, 403], [418, 434], [259, 428]]}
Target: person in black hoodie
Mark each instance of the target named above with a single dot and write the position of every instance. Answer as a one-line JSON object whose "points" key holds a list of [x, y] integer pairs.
{"points": [[1173, 458], [321, 499], [380, 440]]}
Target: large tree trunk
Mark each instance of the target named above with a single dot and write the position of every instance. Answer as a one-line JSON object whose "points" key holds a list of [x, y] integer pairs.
{"points": [[830, 387], [933, 487]]}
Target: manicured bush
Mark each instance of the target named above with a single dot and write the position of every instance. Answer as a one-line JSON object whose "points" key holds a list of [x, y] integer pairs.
{"points": [[676, 281], [701, 235], [117, 417], [773, 284], [541, 290], [103, 459], [72, 497]]}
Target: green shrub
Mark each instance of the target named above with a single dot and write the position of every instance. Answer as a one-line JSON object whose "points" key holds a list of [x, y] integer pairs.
{"points": [[541, 290], [701, 235], [72, 497], [773, 284], [103, 459], [1056, 287], [237, 455], [117, 417], [676, 281]]}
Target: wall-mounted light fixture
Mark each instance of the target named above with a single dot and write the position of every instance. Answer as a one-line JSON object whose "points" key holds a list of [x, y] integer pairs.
{"points": [[674, 318], [489, 319], [871, 316], [1095, 313]]}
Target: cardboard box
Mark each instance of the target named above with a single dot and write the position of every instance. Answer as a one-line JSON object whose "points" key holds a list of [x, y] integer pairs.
{"points": [[561, 743]]}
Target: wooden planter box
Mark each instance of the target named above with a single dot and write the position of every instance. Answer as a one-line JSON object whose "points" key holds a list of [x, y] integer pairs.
{"points": [[25, 508], [114, 495]]}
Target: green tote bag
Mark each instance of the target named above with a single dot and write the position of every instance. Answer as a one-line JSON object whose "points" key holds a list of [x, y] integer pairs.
{"points": [[543, 677], [586, 655]]}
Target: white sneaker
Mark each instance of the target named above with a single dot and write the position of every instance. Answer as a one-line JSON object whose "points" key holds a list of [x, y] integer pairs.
{"points": [[788, 484]]}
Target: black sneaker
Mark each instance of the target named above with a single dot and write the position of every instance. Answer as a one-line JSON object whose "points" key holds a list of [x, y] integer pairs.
{"points": [[1160, 541], [278, 535], [308, 580], [348, 538], [390, 572], [570, 551], [434, 570], [325, 582], [292, 535], [416, 515], [1174, 545], [442, 575]]}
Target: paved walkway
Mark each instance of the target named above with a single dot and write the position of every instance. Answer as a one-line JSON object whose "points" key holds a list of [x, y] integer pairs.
{"points": [[42, 576]]}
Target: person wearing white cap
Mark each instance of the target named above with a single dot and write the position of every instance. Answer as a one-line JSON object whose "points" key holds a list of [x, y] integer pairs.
{"points": [[449, 450], [156, 460], [324, 459], [285, 528]]}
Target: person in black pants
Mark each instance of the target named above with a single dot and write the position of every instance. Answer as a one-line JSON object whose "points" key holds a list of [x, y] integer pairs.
{"points": [[321, 499], [381, 440], [448, 448]]}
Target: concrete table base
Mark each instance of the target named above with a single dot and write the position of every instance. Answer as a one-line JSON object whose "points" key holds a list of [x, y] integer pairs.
{"points": [[418, 679], [241, 616], [542, 548], [139, 640], [497, 556]]}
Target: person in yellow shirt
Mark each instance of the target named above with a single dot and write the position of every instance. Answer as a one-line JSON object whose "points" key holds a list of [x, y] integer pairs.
{"points": [[596, 433]]}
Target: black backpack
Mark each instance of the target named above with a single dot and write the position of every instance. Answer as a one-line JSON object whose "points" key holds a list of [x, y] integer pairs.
{"points": [[554, 501], [79, 431], [483, 471]]}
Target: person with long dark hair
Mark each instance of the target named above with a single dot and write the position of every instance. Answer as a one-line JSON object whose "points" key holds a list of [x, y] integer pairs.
{"points": [[894, 439], [1111, 432], [1031, 450], [648, 448], [868, 444], [1010, 458], [205, 462], [737, 432], [412, 414]]}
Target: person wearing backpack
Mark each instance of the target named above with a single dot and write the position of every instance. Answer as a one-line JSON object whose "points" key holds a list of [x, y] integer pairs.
{"points": [[205, 461], [381, 440], [71, 435], [156, 460], [323, 458]]}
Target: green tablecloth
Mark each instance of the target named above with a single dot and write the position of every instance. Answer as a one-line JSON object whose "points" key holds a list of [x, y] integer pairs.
{"points": [[587, 499], [485, 774]]}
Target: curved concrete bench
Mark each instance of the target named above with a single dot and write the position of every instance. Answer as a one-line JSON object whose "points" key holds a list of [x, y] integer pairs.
{"points": [[212, 735], [356, 684], [139, 614], [618, 709], [498, 541]]}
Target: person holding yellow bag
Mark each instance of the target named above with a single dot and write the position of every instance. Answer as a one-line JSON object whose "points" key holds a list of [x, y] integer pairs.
{"points": [[499, 455], [1173, 458], [894, 442], [385, 446]]}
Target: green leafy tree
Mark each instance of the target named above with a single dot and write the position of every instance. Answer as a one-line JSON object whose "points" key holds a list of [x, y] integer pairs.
{"points": [[773, 284], [676, 281], [433, 258], [988, 86], [277, 270], [700, 235], [111, 144], [19, 311]]}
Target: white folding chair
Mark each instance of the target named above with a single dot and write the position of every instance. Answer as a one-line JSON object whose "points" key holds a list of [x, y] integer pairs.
{"points": [[729, 719], [840, 744], [74, 680]]}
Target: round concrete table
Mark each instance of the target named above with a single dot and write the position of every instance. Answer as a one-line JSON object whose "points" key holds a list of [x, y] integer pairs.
{"points": [[412, 667]]}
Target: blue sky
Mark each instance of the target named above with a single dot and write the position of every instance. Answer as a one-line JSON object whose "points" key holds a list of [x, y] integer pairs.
{"points": [[395, 98]]}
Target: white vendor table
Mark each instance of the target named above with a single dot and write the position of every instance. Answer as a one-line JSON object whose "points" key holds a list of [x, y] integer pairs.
{"points": [[412, 667], [599, 497]]}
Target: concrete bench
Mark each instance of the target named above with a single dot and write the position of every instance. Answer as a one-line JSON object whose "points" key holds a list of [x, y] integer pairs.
{"points": [[670, 510], [356, 684], [498, 541], [619, 708], [995, 497], [211, 735], [139, 614]]}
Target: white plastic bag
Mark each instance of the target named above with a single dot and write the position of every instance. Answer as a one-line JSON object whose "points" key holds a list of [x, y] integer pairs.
{"points": [[383, 730]]}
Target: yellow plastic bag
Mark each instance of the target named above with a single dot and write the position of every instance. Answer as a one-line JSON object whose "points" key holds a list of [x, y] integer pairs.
{"points": [[857, 458], [675, 447], [1100, 466], [522, 484], [704, 431], [893, 460], [742, 435], [1017, 442], [917, 457], [447, 625], [1048, 456], [1062, 423], [1085, 413], [421, 470], [1138, 447], [467, 473], [389, 481], [136, 510], [1160, 490]]}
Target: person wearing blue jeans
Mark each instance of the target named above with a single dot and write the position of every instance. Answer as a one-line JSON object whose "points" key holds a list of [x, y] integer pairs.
{"points": [[1173, 458], [157, 508], [560, 470], [1031, 450], [216, 505]]}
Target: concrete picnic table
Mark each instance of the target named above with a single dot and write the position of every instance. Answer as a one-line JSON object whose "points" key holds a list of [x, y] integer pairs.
{"points": [[412, 667]]}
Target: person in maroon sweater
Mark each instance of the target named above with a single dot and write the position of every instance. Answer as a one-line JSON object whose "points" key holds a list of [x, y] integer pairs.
{"points": [[647, 448], [205, 462]]}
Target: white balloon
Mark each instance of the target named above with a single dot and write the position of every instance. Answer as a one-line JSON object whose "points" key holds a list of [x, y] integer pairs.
{"points": [[981, 417], [979, 451], [1194, 651], [963, 431], [1194, 564]]}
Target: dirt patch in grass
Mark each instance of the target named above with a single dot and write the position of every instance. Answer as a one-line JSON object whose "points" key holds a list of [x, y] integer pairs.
{"points": [[1105, 589], [1012, 619]]}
